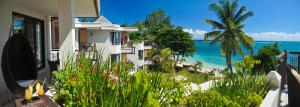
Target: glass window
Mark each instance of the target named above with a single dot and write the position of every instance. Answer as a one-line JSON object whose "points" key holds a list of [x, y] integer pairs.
{"points": [[115, 58], [33, 29], [115, 38], [18, 24], [141, 54], [54, 33]]}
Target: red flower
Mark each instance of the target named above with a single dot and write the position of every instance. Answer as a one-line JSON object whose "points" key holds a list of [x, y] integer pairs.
{"points": [[93, 68], [115, 78]]}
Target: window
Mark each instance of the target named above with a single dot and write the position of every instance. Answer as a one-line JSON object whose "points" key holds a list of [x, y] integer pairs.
{"points": [[115, 58], [141, 54], [33, 29], [54, 33], [115, 38]]}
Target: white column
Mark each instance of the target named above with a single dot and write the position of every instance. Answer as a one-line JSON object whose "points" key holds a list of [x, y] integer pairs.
{"points": [[66, 29]]}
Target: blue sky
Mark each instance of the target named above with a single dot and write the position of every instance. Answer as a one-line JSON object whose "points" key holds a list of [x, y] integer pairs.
{"points": [[277, 16]]}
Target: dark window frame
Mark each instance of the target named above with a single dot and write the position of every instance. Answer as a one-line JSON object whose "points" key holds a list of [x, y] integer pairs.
{"points": [[115, 58], [140, 54], [115, 39], [42, 35]]}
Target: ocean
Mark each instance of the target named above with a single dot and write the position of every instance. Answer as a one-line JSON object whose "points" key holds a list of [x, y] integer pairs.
{"points": [[211, 57]]}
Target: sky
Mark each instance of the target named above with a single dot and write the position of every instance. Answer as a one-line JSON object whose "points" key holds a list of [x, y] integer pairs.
{"points": [[273, 19]]}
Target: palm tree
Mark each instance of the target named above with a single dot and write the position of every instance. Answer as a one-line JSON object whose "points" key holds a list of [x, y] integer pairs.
{"points": [[198, 66], [228, 29]]}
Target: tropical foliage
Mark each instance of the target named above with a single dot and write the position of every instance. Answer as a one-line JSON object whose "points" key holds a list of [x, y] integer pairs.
{"points": [[157, 21], [97, 83], [228, 29], [245, 67], [267, 55], [233, 91], [166, 60], [158, 30], [197, 66], [180, 42]]}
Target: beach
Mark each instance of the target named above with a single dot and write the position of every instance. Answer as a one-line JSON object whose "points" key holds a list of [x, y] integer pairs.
{"points": [[205, 69]]}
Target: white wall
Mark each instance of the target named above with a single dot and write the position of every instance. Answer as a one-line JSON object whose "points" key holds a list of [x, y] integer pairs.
{"points": [[135, 57], [66, 29], [103, 42], [6, 9]]}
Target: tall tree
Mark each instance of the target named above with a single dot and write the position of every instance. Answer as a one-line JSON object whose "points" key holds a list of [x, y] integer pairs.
{"points": [[180, 42], [157, 21], [228, 29]]}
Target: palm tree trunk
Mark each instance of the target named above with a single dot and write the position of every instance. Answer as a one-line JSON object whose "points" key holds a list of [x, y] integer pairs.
{"points": [[228, 61]]}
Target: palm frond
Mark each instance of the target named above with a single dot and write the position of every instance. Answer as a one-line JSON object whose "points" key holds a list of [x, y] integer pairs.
{"points": [[237, 48], [217, 38], [215, 24], [226, 7], [234, 6], [247, 42], [223, 47], [244, 17], [220, 12], [211, 35], [239, 13]]}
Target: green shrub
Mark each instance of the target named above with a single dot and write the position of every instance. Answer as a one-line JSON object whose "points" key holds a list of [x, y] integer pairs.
{"points": [[233, 91], [267, 55], [84, 82], [245, 67]]}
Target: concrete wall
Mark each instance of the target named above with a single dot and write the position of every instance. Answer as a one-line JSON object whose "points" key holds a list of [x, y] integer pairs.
{"points": [[6, 9], [272, 99]]}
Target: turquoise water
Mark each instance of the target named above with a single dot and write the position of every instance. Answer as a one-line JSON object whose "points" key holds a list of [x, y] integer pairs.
{"points": [[210, 55]]}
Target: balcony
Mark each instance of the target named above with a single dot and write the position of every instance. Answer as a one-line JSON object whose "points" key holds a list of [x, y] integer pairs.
{"points": [[127, 48], [147, 61], [148, 45]]}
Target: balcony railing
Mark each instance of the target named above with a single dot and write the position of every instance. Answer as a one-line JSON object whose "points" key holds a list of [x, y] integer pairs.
{"points": [[294, 60], [147, 60], [289, 74], [148, 43], [127, 48]]}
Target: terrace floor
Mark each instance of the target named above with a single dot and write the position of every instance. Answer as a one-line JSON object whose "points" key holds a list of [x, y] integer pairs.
{"points": [[284, 98]]}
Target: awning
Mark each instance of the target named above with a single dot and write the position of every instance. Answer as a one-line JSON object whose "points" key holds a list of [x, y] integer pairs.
{"points": [[82, 8]]}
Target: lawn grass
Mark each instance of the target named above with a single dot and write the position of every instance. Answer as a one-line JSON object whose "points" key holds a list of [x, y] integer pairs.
{"points": [[197, 77]]}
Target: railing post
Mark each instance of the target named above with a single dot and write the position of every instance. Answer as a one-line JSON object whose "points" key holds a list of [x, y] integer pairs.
{"points": [[285, 70], [298, 64]]}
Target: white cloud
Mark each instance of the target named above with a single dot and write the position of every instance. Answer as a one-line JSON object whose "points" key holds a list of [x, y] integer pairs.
{"points": [[198, 34], [275, 36]]}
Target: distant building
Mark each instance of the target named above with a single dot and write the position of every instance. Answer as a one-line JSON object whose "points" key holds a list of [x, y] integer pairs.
{"points": [[112, 40]]}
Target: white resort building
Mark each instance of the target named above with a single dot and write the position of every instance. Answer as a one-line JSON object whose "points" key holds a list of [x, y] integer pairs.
{"points": [[53, 31], [112, 40]]}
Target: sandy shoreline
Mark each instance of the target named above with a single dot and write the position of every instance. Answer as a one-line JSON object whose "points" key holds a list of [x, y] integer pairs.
{"points": [[204, 69]]}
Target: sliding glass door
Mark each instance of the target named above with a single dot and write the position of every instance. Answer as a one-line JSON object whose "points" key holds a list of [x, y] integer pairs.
{"points": [[33, 29]]}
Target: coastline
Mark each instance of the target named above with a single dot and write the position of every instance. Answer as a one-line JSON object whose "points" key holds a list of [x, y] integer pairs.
{"points": [[205, 69], [206, 64]]}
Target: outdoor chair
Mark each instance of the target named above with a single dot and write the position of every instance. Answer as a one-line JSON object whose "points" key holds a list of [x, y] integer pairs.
{"points": [[53, 65], [18, 65]]}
